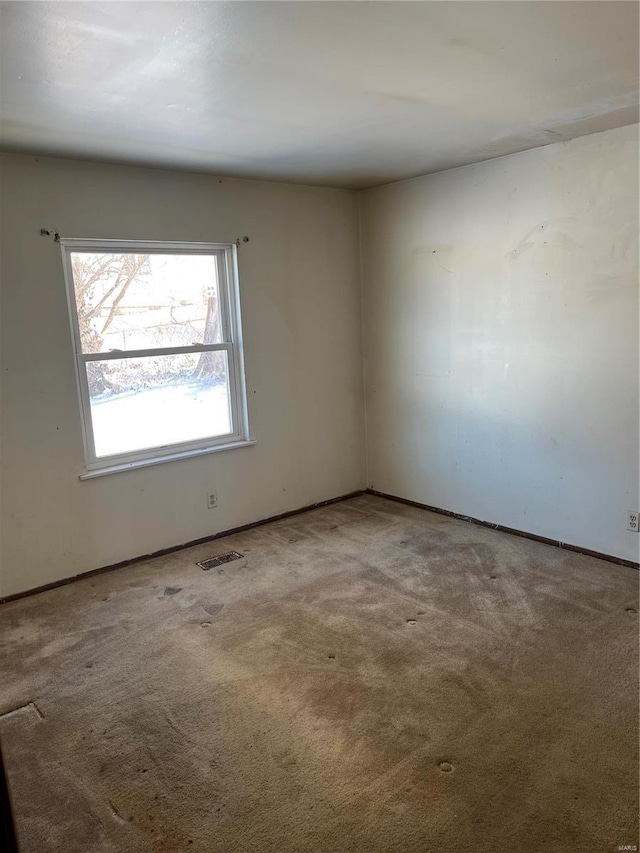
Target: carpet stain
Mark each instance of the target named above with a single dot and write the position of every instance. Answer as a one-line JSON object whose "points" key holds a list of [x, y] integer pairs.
{"points": [[213, 609]]}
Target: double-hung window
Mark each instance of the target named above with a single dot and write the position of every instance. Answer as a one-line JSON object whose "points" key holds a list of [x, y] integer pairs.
{"points": [[158, 345]]}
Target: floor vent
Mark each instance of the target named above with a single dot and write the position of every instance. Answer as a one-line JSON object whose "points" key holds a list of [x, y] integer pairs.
{"points": [[220, 560]]}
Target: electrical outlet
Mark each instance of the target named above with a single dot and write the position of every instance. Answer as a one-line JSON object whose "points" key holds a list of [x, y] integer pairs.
{"points": [[632, 521], [212, 500]]}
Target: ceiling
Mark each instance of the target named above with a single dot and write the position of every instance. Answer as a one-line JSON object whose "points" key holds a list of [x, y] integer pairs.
{"points": [[349, 94]]}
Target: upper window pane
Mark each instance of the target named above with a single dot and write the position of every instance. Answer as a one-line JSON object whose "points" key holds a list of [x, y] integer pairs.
{"points": [[129, 301]]}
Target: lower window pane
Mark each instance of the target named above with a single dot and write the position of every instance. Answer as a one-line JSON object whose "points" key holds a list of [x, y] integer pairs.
{"points": [[141, 403]]}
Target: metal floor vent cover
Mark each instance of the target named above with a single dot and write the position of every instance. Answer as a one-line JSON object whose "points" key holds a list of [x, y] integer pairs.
{"points": [[220, 560]]}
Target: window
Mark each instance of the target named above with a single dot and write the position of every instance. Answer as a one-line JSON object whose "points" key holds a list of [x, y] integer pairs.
{"points": [[158, 346]]}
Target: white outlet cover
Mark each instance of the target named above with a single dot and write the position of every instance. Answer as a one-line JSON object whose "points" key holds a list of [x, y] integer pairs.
{"points": [[632, 521], [212, 500]]}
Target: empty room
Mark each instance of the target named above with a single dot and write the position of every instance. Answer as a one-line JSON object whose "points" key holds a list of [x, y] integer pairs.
{"points": [[319, 427]]}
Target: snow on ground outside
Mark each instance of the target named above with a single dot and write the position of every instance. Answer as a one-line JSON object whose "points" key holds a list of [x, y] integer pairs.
{"points": [[154, 417]]}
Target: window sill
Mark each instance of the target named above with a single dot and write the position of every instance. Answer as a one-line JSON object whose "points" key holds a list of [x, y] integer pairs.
{"points": [[160, 460]]}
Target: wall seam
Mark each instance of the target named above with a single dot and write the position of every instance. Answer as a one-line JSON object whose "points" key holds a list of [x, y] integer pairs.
{"points": [[362, 345]]}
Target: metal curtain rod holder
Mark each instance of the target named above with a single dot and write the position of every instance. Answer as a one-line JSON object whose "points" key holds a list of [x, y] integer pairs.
{"points": [[46, 232]]}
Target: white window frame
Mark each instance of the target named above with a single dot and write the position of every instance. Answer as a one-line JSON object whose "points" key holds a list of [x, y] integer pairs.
{"points": [[231, 327]]}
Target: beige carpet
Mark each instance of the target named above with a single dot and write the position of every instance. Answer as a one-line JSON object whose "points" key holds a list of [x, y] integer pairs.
{"points": [[370, 677]]}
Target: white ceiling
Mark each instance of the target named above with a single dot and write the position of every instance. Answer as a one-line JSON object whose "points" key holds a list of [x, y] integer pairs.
{"points": [[348, 94]]}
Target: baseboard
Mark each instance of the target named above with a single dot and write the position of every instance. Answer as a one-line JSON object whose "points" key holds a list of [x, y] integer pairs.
{"points": [[619, 561], [164, 551]]}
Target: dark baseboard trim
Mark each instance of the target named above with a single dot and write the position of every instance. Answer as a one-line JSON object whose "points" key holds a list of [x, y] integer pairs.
{"points": [[619, 561], [164, 551]]}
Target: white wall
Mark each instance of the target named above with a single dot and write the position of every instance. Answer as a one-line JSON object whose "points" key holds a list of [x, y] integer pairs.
{"points": [[299, 278], [501, 332], [501, 339]]}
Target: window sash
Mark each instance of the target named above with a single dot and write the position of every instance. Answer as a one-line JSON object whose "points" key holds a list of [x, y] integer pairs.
{"points": [[232, 344], [222, 253], [119, 354]]}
